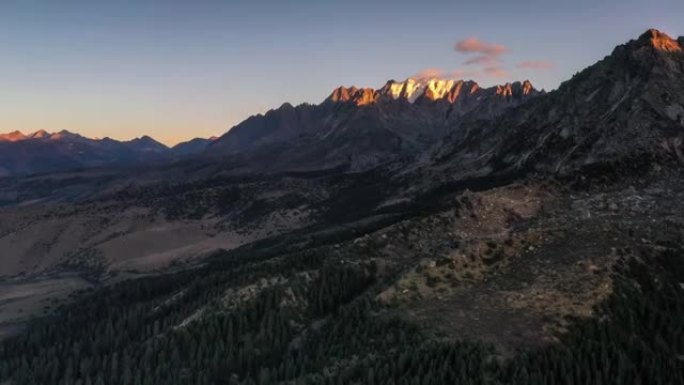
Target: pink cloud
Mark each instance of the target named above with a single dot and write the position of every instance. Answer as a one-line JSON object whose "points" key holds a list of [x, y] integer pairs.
{"points": [[475, 45], [487, 60], [462, 74], [487, 72], [436, 73], [486, 55], [495, 71], [536, 65], [429, 73]]}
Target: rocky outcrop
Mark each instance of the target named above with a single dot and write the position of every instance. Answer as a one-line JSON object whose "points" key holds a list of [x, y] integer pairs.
{"points": [[358, 96], [432, 90], [661, 41]]}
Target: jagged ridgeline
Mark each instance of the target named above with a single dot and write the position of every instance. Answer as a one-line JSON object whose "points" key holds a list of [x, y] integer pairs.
{"points": [[357, 128], [362, 128]]}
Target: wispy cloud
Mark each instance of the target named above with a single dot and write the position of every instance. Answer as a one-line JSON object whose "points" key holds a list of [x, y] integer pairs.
{"points": [[466, 73], [431, 73], [475, 45], [437, 73], [536, 65], [461, 73], [495, 72], [483, 60], [485, 55]]}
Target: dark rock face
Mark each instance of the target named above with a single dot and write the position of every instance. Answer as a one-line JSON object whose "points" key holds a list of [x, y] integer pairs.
{"points": [[362, 128], [629, 104]]}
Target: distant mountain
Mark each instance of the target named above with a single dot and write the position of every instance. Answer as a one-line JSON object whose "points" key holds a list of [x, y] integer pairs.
{"points": [[45, 152], [41, 151], [146, 144], [193, 146], [14, 136], [363, 127]]}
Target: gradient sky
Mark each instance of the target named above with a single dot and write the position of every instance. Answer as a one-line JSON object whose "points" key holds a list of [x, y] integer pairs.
{"points": [[179, 69]]}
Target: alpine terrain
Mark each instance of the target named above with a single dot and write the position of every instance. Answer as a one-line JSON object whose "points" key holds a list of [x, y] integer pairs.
{"points": [[429, 231]]}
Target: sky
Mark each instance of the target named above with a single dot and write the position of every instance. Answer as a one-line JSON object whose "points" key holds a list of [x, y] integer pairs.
{"points": [[176, 69]]}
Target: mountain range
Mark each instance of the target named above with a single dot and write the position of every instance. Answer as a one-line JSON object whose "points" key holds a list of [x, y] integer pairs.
{"points": [[41, 151], [361, 128], [353, 128]]}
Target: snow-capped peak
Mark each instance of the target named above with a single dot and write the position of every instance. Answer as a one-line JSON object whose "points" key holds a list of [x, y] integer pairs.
{"points": [[432, 89], [411, 88], [437, 89]]}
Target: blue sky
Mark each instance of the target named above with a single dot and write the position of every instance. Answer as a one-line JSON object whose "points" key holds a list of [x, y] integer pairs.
{"points": [[180, 69]]}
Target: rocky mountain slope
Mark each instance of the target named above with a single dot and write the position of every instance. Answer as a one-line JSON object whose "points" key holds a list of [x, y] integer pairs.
{"points": [[362, 128], [192, 147], [628, 106]]}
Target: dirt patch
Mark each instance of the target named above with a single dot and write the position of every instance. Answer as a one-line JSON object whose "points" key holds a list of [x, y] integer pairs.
{"points": [[39, 239], [21, 300], [460, 247]]}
